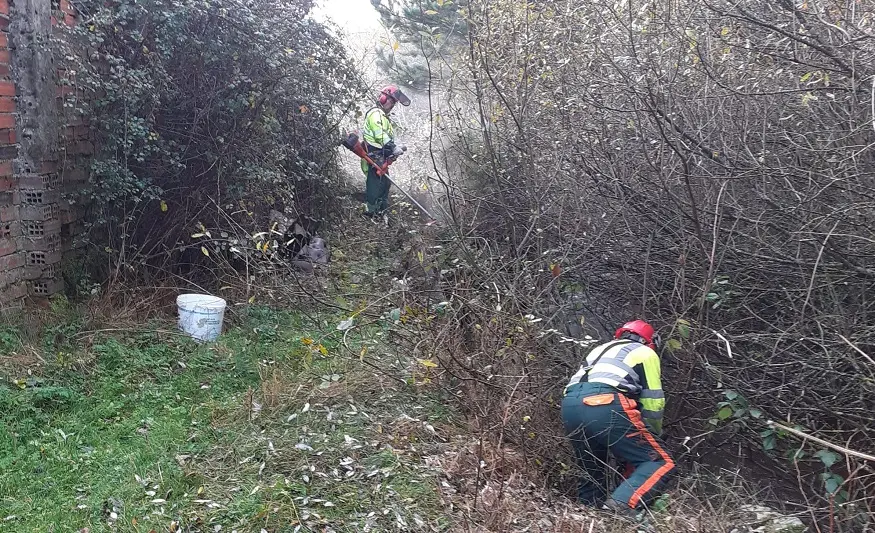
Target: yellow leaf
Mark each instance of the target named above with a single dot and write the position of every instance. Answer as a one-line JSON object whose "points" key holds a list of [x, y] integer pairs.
{"points": [[289, 51], [805, 77], [197, 235], [163, 206], [205, 251], [306, 341], [252, 299], [420, 257], [430, 12], [724, 32], [200, 490], [323, 350], [395, 46], [362, 353], [428, 363]]}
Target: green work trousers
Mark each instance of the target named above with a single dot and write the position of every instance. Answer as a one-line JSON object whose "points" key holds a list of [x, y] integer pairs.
{"points": [[376, 191], [599, 420]]}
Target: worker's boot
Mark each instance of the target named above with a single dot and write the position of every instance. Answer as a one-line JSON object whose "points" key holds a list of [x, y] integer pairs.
{"points": [[619, 508]]}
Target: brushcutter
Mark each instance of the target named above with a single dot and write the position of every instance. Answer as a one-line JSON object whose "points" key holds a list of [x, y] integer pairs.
{"points": [[356, 146]]}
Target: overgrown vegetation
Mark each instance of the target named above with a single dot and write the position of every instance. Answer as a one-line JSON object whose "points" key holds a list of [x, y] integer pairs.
{"points": [[283, 425], [207, 115], [701, 165]]}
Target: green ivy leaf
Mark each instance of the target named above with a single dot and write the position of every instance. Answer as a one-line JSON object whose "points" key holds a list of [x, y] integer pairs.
{"points": [[827, 457], [832, 482], [724, 412], [683, 328], [673, 345]]}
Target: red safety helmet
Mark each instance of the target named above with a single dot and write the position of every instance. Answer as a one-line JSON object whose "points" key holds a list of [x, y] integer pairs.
{"points": [[641, 329], [394, 93]]}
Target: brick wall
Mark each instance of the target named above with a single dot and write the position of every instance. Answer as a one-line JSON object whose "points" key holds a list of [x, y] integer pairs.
{"points": [[44, 150]]}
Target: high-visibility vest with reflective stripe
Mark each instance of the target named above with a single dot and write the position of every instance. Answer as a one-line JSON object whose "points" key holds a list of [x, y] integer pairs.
{"points": [[631, 368], [378, 128]]}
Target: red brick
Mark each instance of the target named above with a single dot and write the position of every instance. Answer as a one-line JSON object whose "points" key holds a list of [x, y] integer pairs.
{"points": [[7, 104], [8, 137], [4, 7], [4, 56], [8, 213], [7, 88], [82, 147], [7, 120], [7, 183], [4, 40], [54, 21], [6, 168], [64, 90], [4, 71], [65, 7], [11, 261], [7, 246], [4, 22], [69, 20]]}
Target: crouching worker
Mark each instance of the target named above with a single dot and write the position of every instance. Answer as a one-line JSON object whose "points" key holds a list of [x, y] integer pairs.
{"points": [[614, 404]]}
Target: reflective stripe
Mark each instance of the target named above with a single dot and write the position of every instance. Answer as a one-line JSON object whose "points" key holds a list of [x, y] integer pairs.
{"points": [[655, 415], [598, 351], [653, 394], [621, 372], [662, 471], [617, 363], [606, 381]]}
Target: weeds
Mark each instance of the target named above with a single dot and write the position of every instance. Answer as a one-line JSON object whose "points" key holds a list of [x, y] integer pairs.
{"points": [[268, 428]]}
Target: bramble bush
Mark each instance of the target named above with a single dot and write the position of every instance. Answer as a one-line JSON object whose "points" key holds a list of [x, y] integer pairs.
{"points": [[207, 114]]}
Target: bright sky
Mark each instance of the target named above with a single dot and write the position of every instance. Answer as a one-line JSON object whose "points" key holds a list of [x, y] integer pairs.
{"points": [[357, 18], [360, 28]]}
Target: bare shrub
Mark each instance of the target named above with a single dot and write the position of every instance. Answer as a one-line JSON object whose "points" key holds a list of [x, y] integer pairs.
{"points": [[704, 165]]}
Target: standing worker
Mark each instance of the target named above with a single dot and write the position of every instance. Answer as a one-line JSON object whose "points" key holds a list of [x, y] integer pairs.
{"points": [[614, 404], [379, 138]]}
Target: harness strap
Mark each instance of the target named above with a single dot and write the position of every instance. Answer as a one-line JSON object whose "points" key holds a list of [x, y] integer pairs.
{"points": [[585, 377]]}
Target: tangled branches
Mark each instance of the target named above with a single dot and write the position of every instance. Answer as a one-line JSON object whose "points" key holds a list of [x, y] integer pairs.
{"points": [[204, 110], [705, 165]]}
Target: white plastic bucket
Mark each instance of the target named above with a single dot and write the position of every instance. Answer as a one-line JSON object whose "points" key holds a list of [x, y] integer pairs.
{"points": [[201, 315]]}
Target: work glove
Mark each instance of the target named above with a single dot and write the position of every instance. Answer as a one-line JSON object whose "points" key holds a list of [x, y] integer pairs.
{"points": [[398, 150]]}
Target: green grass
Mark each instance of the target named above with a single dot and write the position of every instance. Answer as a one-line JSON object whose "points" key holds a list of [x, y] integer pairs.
{"points": [[142, 430]]}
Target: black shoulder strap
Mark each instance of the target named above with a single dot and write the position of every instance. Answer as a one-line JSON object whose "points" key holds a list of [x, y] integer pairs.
{"points": [[605, 347]]}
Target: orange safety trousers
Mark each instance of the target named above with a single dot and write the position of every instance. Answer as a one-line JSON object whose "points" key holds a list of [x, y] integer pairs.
{"points": [[599, 420]]}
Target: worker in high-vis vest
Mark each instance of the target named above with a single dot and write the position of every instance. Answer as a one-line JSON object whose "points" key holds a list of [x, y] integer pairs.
{"points": [[379, 138], [613, 405]]}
